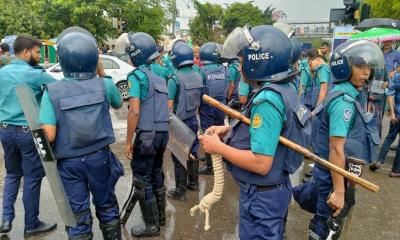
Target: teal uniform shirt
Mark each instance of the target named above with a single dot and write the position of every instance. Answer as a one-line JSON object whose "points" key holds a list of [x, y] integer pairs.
{"points": [[267, 117], [47, 114], [160, 70], [138, 84], [233, 71], [322, 74], [168, 63], [173, 83], [244, 88], [15, 73], [341, 110], [305, 74]]}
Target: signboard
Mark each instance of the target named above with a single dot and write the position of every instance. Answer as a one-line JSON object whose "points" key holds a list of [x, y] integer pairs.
{"points": [[342, 34]]}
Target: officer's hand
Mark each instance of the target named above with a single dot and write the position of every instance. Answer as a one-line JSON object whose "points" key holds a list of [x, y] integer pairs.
{"points": [[129, 151], [221, 131], [393, 118], [336, 202], [211, 143]]}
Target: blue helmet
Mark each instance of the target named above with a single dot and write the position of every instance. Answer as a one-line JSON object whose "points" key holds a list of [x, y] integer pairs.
{"points": [[268, 56], [209, 53], [296, 49], [181, 54], [359, 53], [142, 48], [78, 53]]}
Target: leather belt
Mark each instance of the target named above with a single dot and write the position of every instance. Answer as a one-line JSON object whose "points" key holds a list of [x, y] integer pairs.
{"points": [[268, 187]]}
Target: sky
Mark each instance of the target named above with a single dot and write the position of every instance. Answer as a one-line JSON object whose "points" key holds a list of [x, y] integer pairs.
{"points": [[296, 10]]}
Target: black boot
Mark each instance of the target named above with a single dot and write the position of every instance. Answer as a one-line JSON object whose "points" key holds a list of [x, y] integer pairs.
{"points": [[111, 230], [5, 226], [160, 199], [179, 192], [41, 228], [208, 168], [193, 174], [150, 218]]}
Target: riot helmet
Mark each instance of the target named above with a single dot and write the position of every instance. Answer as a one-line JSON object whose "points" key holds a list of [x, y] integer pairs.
{"points": [[266, 52], [181, 54], [296, 49], [358, 53], [210, 53], [78, 53], [140, 47]]}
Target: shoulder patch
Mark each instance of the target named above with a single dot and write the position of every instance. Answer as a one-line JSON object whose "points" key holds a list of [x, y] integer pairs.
{"points": [[347, 98], [347, 115], [257, 121]]}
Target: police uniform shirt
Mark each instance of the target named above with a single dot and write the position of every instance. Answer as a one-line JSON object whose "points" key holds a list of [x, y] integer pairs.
{"points": [[267, 117], [160, 70], [173, 83], [392, 60], [18, 72], [341, 110], [244, 88], [322, 74], [138, 85], [305, 74], [233, 71], [47, 114]]}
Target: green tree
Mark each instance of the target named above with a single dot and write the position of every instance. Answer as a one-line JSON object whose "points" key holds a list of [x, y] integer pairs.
{"points": [[17, 18], [94, 15], [145, 16], [204, 27], [267, 14], [385, 9], [238, 14]]}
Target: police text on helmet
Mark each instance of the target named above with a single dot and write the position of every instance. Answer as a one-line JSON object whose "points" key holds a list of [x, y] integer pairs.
{"points": [[258, 56]]}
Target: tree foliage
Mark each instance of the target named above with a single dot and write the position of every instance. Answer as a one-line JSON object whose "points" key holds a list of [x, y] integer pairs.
{"points": [[385, 9], [48, 18], [145, 16], [204, 26], [238, 14]]}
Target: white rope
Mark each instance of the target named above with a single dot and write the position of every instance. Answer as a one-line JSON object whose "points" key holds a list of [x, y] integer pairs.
{"points": [[205, 204]]}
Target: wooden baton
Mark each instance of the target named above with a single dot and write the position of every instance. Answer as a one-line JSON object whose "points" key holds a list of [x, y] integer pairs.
{"points": [[304, 151]]}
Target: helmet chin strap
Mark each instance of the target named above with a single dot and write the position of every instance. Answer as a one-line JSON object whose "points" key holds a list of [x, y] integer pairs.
{"points": [[254, 44]]}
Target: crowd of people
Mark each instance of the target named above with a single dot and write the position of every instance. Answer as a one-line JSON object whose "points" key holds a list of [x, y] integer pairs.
{"points": [[331, 101]]}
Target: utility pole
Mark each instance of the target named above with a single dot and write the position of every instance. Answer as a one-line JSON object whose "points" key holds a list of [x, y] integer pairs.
{"points": [[173, 10]]}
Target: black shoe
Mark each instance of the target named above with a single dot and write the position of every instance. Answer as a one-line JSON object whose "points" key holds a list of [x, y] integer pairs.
{"points": [[111, 230], [41, 228], [160, 199], [374, 166], [177, 193], [193, 174], [205, 170], [151, 225], [5, 226]]}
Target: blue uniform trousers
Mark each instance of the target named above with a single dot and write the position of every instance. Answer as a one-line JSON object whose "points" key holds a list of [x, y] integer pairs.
{"points": [[262, 213], [85, 175], [211, 116], [147, 162], [324, 184], [21, 160]]}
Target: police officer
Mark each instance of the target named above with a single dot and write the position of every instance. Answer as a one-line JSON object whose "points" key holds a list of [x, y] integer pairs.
{"points": [[320, 80], [184, 94], [20, 155], [235, 76], [344, 128], [258, 162], [75, 116], [217, 82], [148, 117]]}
